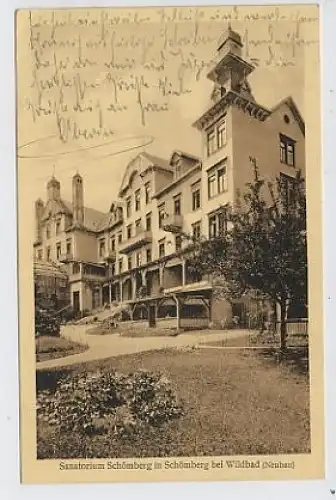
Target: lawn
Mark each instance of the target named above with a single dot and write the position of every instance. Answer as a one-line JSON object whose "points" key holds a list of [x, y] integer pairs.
{"points": [[235, 402], [56, 347]]}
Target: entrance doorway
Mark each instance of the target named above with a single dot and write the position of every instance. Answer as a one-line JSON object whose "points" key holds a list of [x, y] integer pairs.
{"points": [[76, 303]]}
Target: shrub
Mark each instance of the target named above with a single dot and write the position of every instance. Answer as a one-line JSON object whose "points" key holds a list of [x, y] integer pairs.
{"points": [[101, 402], [46, 323]]}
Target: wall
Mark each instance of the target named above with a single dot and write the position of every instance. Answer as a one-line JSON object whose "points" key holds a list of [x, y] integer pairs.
{"points": [[85, 246], [261, 140]]}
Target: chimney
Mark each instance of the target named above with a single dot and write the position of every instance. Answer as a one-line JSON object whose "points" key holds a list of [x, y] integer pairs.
{"points": [[78, 199], [54, 189], [39, 209]]}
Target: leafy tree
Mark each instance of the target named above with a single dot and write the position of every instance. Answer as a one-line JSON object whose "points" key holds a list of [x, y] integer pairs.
{"points": [[264, 250]]}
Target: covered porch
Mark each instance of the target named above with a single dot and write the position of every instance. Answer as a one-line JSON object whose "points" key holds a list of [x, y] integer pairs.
{"points": [[184, 308]]}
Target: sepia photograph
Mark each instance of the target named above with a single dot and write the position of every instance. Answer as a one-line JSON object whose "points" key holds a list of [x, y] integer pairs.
{"points": [[169, 240]]}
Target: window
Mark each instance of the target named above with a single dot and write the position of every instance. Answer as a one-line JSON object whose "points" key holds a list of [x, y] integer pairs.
{"points": [[217, 180], [147, 193], [138, 259], [68, 247], [138, 227], [161, 209], [213, 227], [178, 243], [211, 142], [129, 231], [221, 134], [196, 229], [129, 262], [217, 223], [120, 237], [148, 254], [162, 250], [128, 207], [196, 198], [148, 222], [58, 227], [287, 150], [221, 179], [177, 204], [212, 185], [47, 231], [120, 265], [75, 268], [112, 269], [101, 248], [39, 255], [137, 200], [48, 253], [58, 251], [112, 243], [177, 170], [287, 185]]}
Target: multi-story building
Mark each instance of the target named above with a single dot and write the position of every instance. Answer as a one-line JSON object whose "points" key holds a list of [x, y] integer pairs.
{"points": [[134, 253]]}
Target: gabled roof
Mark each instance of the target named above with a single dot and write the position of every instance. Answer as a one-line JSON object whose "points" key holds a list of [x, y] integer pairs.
{"points": [[294, 109], [141, 164], [183, 154], [157, 161]]}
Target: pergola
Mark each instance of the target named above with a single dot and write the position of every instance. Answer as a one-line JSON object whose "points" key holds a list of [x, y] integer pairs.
{"points": [[201, 292]]}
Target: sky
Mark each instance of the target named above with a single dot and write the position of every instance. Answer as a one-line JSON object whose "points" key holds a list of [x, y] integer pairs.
{"points": [[98, 76]]}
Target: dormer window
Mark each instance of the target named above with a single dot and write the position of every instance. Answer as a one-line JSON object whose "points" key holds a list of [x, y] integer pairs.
{"points": [[128, 207], [211, 142], [137, 200], [287, 150]]}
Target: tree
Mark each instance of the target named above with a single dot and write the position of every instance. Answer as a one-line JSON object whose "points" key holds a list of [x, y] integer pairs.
{"points": [[265, 249]]}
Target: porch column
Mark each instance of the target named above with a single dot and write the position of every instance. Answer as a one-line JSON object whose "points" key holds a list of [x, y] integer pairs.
{"points": [[120, 291], [178, 313], [110, 293], [161, 275], [184, 269], [134, 290]]}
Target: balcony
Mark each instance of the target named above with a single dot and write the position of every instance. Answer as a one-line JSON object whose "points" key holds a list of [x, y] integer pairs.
{"points": [[66, 257], [140, 239], [111, 256], [172, 223]]}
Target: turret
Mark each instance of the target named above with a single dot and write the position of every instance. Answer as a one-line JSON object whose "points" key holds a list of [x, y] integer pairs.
{"points": [[230, 69], [78, 199], [54, 189], [39, 209]]}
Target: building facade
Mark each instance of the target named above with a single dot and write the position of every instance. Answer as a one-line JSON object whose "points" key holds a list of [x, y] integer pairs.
{"points": [[134, 253]]}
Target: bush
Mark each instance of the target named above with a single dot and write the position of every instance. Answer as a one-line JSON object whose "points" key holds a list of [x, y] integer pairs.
{"points": [[46, 323], [101, 402]]}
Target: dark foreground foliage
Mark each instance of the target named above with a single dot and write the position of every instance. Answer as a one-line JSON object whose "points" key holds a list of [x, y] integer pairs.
{"points": [[84, 410], [235, 402]]}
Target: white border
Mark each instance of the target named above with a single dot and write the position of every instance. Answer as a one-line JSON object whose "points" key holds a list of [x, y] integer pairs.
{"points": [[10, 487]]}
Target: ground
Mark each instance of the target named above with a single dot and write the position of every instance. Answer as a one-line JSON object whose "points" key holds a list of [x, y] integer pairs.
{"points": [[48, 348], [236, 401]]}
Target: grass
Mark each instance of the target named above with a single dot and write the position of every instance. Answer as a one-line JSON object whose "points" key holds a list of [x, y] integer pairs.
{"points": [[56, 347], [236, 402]]}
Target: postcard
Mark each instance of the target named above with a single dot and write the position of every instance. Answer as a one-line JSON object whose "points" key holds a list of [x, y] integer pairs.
{"points": [[170, 244]]}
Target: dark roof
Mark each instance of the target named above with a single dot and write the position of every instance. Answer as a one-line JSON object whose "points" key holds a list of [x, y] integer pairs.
{"points": [[92, 218], [159, 162]]}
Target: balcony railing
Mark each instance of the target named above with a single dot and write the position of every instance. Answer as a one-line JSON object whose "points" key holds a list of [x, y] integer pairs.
{"points": [[66, 257], [137, 241], [172, 223]]}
